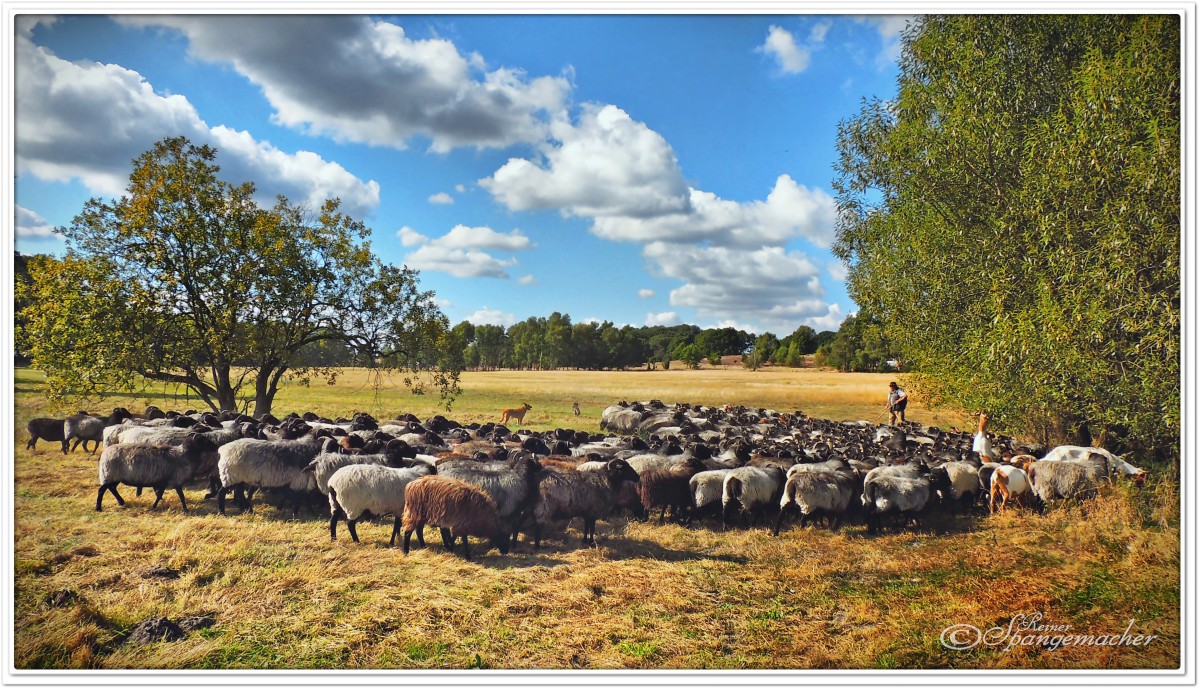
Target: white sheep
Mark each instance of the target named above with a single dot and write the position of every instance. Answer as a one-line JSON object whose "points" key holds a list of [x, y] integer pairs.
{"points": [[750, 490], [359, 488], [902, 489]]}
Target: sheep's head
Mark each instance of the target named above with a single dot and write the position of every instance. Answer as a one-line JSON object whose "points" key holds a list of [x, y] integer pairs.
{"points": [[618, 470], [196, 444]]}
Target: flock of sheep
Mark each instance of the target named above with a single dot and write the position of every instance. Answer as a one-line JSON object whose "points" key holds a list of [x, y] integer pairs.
{"points": [[490, 482]]}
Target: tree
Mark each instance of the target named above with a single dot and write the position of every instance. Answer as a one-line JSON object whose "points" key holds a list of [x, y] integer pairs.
{"points": [[764, 346], [186, 280], [1013, 219]]}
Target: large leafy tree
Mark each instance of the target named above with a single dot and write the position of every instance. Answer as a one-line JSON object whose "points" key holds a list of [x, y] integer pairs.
{"points": [[1012, 218], [185, 279]]}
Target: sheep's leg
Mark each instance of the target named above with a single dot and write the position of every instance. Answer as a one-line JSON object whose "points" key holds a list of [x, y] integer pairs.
{"points": [[333, 520], [407, 536], [421, 535], [32, 442], [221, 499], [213, 486], [64, 446], [100, 497], [589, 531], [779, 520], [75, 444], [158, 493], [350, 525], [466, 548], [112, 488], [447, 538], [395, 532], [138, 492]]}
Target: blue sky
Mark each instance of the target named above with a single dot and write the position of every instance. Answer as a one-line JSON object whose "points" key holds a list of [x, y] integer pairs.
{"points": [[644, 169]]}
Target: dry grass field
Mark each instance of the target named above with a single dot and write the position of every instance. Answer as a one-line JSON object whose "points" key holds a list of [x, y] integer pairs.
{"points": [[281, 595]]}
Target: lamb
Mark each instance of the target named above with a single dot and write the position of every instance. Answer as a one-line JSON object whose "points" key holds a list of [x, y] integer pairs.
{"points": [[750, 490], [50, 430], [457, 508], [586, 494], [903, 489], [85, 427], [512, 485], [251, 463], [818, 490], [359, 488], [151, 465]]}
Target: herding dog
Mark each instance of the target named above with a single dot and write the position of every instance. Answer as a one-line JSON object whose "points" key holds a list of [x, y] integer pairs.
{"points": [[518, 414]]}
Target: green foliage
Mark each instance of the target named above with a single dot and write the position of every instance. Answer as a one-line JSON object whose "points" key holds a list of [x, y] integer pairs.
{"points": [[1013, 219], [186, 280]]}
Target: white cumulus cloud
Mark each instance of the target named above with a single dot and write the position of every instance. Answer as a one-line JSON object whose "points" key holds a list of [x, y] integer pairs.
{"points": [[645, 293], [663, 318], [608, 164], [527, 280], [461, 251], [486, 316], [30, 225], [781, 44], [366, 80], [85, 120], [441, 198]]}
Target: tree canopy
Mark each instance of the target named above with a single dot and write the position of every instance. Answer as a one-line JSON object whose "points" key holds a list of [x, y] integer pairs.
{"points": [[1012, 218], [185, 279]]}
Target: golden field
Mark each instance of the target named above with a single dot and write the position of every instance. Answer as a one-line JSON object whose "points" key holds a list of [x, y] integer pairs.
{"points": [[283, 596]]}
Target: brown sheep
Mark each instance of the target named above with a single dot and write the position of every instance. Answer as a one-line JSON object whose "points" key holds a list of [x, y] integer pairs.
{"points": [[457, 508]]}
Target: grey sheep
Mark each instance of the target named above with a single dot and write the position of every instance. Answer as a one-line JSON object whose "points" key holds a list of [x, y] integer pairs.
{"points": [[151, 466], [1054, 480], [396, 455], [819, 490], [590, 495], [85, 428], [706, 488], [252, 463], [512, 485], [902, 489], [360, 488]]}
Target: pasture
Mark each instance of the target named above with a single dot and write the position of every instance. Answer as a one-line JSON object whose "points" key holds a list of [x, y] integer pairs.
{"points": [[280, 595]]}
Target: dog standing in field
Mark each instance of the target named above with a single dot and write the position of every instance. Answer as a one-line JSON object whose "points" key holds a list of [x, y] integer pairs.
{"points": [[575, 408], [518, 414]]}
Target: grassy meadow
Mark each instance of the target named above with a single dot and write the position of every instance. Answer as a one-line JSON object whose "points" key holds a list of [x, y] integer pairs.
{"points": [[651, 596]]}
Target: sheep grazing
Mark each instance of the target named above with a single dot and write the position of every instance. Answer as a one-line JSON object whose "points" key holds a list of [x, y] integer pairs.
{"points": [[1052, 480], [457, 508], [819, 491], [1116, 465], [83, 428], [360, 488], [750, 491], [50, 430], [670, 488], [902, 489], [1010, 483], [590, 495], [154, 466], [251, 463]]}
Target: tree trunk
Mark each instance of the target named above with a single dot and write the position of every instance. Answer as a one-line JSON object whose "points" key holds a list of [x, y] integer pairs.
{"points": [[266, 384]]}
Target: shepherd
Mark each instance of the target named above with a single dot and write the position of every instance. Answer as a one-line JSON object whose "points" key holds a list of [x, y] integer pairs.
{"points": [[896, 402]]}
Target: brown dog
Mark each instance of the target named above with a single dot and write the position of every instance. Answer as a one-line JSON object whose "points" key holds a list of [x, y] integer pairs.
{"points": [[518, 414]]}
